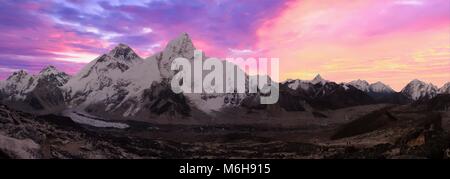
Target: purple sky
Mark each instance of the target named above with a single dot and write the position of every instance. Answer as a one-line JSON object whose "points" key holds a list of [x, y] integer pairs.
{"points": [[393, 41], [67, 33]]}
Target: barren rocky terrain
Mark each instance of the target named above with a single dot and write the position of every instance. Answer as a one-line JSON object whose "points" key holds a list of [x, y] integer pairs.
{"points": [[375, 131]]}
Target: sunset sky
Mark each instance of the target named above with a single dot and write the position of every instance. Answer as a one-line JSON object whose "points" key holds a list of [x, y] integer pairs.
{"points": [[393, 41]]}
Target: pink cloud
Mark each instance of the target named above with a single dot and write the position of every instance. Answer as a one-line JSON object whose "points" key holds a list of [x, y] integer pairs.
{"points": [[374, 40]]}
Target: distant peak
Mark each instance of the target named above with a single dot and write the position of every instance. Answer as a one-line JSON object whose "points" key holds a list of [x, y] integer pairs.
{"points": [[360, 82], [416, 81], [123, 51], [379, 83], [18, 75], [380, 87], [121, 46], [182, 38], [184, 35], [182, 43], [417, 89], [419, 82], [20, 72], [362, 85], [50, 71], [445, 89], [318, 79], [49, 68], [446, 84]]}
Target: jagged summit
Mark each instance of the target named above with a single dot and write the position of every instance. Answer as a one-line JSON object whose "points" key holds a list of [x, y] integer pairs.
{"points": [[119, 59], [420, 82], [50, 74], [182, 45], [318, 79], [445, 89], [361, 81], [380, 87], [417, 81], [362, 85], [183, 38], [378, 83], [417, 89], [112, 79], [48, 68], [18, 75], [34, 92], [123, 52], [377, 87], [122, 45]]}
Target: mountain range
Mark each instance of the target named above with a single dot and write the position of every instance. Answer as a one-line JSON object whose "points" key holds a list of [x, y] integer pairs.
{"points": [[121, 105], [122, 85]]}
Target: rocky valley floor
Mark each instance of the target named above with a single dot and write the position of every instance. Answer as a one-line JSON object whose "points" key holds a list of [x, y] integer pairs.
{"points": [[374, 131]]}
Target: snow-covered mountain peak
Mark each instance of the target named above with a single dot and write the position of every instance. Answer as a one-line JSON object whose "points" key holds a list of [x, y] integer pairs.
{"points": [[19, 76], [295, 84], [182, 41], [318, 79], [445, 89], [360, 84], [112, 79], [114, 63], [16, 84], [52, 75], [380, 87], [181, 46], [305, 84], [417, 89], [359, 81], [123, 52], [49, 70], [416, 81]]}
